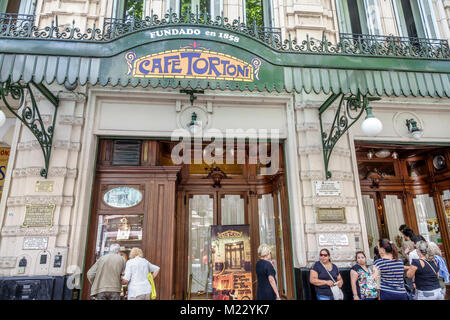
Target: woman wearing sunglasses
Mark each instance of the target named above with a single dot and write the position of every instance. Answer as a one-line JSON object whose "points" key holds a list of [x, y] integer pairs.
{"points": [[321, 276]]}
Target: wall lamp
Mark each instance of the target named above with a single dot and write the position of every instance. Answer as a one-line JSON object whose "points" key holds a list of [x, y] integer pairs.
{"points": [[194, 126], [371, 125], [413, 129]]}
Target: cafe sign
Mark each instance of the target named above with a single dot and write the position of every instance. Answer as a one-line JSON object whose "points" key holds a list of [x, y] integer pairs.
{"points": [[192, 62]]}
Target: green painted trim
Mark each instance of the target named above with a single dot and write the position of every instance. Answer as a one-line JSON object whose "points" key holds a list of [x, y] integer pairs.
{"points": [[408, 143]]}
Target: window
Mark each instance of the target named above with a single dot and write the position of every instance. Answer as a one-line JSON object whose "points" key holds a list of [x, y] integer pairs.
{"points": [[259, 12], [416, 19], [358, 17], [212, 7], [126, 9]]}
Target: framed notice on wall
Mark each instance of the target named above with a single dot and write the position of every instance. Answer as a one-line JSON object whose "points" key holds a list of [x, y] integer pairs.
{"points": [[4, 157], [39, 215], [231, 262]]}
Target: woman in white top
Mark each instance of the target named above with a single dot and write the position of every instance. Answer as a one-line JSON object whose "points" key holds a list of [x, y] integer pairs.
{"points": [[136, 271]]}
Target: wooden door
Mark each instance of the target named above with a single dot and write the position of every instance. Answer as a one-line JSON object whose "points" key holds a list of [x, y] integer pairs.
{"points": [[156, 211]]}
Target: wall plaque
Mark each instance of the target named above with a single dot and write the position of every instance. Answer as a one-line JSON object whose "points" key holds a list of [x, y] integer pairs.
{"points": [[333, 239], [44, 186], [331, 215], [35, 243], [39, 215], [328, 188]]}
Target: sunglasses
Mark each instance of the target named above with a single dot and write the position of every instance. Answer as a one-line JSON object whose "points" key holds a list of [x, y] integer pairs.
{"points": [[324, 255]]}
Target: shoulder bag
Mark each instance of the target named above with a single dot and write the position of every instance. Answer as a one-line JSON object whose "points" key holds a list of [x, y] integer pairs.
{"points": [[335, 290]]}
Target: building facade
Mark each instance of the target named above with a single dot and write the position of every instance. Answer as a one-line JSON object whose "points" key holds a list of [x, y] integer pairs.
{"points": [[98, 93]]}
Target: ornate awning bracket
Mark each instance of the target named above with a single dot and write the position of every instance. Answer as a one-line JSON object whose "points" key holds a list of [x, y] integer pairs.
{"points": [[348, 112], [30, 115]]}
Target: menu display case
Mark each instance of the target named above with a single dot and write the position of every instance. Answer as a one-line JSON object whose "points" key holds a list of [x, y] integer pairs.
{"points": [[125, 230]]}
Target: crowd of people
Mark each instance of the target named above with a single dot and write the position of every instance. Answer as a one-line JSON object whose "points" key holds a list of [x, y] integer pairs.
{"points": [[421, 275]]}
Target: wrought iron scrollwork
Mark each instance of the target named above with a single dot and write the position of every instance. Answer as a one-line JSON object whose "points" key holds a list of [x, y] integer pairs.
{"points": [[348, 112], [30, 115], [349, 44]]}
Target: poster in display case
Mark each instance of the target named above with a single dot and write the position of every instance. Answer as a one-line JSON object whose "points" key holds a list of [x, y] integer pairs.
{"points": [[231, 262]]}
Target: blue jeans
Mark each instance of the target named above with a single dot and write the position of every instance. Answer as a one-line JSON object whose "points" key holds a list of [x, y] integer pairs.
{"points": [[323, 297], [384, 295]]}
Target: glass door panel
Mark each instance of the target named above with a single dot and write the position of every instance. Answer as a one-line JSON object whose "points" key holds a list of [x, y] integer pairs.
{"points": [[370, 214], [280, 235], [267, 233], [232, 209], [394, 216], [201, 217], [125, 230], [426, 218]]}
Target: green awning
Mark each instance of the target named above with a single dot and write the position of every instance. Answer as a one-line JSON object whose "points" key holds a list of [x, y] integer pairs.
{"points": [[164, 56]]}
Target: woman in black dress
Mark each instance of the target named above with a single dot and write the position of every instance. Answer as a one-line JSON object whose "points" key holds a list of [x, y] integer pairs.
{"points": [[267, 285]]}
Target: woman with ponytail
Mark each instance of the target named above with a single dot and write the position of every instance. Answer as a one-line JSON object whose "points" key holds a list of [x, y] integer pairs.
{"points": [[391, 271], [425, 271]]}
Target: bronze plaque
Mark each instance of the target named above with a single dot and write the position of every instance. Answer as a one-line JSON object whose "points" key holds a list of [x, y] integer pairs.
{"points": [[331, 215], [44, 186], [39, 215]]}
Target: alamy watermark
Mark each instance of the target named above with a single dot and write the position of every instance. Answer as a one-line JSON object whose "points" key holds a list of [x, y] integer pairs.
{"points": [[229, 147]]}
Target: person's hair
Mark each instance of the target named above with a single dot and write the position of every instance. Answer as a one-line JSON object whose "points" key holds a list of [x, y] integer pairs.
{"points": [[264, 250], [424, 249], [434, 248], [375, 251], [403, 227], [389, 247], [416, 238], [136, 252], [359, 252], [408, 232], [409, 245], [114, 248], [327, 251]]}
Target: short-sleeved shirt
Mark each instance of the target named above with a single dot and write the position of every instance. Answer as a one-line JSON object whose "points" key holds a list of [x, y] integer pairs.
{"points": [[136, 272], [391, 274], [264, 269], [426, 278], [322, 274], [366, 285]]}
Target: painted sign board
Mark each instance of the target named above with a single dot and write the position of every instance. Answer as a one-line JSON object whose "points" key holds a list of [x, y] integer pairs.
{"points": [[231, 262]]}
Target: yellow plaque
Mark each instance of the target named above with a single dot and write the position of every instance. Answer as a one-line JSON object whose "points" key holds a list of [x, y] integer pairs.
{"points": [[44, 186], [331, 215], [39, 215]]}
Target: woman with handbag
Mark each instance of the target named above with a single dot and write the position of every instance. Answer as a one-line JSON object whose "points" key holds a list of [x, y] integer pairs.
{"points": [[364, 285], [425, 272], [136, 271], [326, 278], [391, 271]]}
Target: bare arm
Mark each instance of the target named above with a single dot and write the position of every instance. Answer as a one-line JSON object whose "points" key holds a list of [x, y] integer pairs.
{"points": [[411, 272], [340, 282], [353, 280], [155, 274], [314, 279], [274, 286]]}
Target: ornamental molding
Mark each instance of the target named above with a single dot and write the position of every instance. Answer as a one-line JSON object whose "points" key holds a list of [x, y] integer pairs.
{"points": [[57, 144], [336, 255], [53, 172], [319, 175], [306, 104], [332, 228], [18, 231], [307, 126], [8, 262], [71, 120], [317, 149], [330, 201], [24, 200]]}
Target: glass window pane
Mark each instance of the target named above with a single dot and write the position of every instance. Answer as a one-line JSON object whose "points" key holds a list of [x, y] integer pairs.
{"points": [[427, 218], [134, 8], [370, 214], [446, 201], [232, 210], [254, 12], [122, 197], [283, 265], [126, 230], [267, 232], [394, 216], [201, 217]]}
